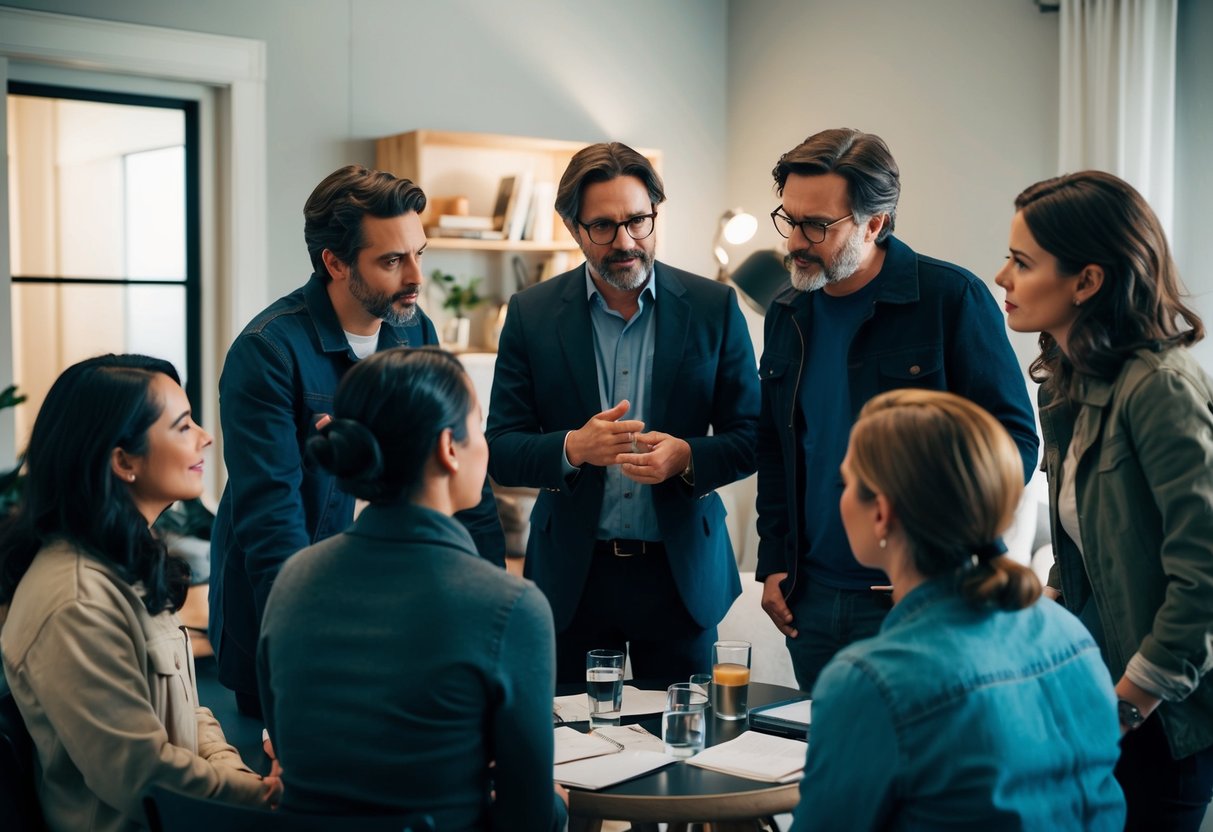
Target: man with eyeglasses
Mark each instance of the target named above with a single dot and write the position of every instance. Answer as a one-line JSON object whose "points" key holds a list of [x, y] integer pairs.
{"points": [[864, 314], [626, 390]]}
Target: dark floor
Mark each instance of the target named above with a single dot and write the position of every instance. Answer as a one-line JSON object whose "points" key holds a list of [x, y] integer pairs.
{"points": [[242, 731]]}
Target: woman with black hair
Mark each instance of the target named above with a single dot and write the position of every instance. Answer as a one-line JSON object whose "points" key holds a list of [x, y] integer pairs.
{"points": [[975, 707], [1126, 413], [396, 666], [94, 654]]}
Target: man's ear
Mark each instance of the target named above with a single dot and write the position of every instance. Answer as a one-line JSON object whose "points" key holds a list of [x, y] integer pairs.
{"points": [[1090, 281], [338, 270], [873, 226]]}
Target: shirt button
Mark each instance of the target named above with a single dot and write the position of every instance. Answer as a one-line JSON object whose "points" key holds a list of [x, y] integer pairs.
{"points": [[625, 372], [177, 661], [627, 494], [915, 370]]}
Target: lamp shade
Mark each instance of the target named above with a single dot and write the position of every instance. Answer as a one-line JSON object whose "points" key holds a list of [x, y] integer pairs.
{"points": [[761, 277]]}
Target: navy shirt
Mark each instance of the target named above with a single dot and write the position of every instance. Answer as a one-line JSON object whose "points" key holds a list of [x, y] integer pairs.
{"points": [[825, 406]]}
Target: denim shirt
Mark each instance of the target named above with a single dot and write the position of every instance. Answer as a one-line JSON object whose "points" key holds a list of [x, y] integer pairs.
{"points": [[963, 717], [279, 377]]}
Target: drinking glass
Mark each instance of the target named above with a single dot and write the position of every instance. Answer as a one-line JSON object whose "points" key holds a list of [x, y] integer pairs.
{"points": [[684, 721], [604, 686], [703, 681], [730, 679]]}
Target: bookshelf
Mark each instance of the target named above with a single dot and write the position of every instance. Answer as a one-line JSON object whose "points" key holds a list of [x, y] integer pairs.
{"points": [[449, 164]]}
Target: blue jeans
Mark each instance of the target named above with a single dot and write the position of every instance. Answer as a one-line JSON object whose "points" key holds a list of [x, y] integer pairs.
{"points": [[827, 620]]}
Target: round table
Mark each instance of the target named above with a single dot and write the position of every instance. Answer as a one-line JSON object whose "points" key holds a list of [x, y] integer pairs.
{"points": [[680, 794]]}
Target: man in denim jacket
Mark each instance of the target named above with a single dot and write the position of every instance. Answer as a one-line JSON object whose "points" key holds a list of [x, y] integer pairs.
{"points": [[365, 238], [885, 317]]}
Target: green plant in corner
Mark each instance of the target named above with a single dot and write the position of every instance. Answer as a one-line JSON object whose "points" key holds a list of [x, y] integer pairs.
{"points": [[458, 297], [10, 481]]}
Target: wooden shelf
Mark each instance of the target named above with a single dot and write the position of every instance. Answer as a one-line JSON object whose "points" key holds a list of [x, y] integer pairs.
{"points": [[447, 164], [461, 244]]}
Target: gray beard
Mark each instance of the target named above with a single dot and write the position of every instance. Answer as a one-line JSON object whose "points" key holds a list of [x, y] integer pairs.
{"points": [[844, 265], [378, 304], [627, 281]]}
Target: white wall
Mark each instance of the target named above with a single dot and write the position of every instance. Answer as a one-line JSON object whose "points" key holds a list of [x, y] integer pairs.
{"points": [[964, 92], [342, 73]]}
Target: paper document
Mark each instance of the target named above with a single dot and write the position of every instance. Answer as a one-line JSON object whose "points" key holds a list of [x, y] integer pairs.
{"points": [[609, 769], [756, 757], [636, 702], [571, 745]]}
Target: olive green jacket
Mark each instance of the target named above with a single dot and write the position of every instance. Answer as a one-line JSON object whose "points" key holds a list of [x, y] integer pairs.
{"points": [[1144, 485]]}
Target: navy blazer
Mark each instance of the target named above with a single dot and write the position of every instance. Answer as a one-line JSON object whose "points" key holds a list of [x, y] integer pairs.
{"points": [[546, 384]]}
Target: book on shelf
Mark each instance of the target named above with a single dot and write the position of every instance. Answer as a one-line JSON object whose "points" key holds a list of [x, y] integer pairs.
{"points": [[466, 233], [519, 205], [539, 217], [466, 221]]}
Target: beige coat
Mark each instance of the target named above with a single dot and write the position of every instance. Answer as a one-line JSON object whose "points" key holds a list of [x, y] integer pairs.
{"points": [[109, 696]]}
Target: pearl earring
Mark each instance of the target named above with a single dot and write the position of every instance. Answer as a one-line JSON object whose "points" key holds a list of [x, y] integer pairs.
{"points": [[884, 542], [132, 477]]}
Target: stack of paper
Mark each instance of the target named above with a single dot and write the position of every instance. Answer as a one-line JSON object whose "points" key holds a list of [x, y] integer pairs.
{"points": [[756, 757], [607, 756], [636, 702]]}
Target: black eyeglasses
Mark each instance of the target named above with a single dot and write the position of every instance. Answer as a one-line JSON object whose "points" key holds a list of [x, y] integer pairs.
{"points": [[813, 231], [604, 232]]}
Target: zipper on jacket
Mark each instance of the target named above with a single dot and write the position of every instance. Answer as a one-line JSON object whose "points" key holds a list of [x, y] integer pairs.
{"points": [[794, 572]]}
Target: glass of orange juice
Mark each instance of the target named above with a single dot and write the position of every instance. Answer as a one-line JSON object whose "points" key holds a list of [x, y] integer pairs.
{"points": [[730, 679]]}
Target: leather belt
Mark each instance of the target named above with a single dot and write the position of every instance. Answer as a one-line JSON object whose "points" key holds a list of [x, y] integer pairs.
{"points": [[621, 548]]}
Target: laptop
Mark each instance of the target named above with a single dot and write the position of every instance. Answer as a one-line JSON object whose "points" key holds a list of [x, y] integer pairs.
{"points": [[787, 718]]}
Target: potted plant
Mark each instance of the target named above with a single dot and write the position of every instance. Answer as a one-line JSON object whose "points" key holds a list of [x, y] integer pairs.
{"points": [[10, 481], [459, 298]]}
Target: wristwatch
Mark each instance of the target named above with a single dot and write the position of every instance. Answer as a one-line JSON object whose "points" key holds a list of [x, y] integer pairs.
{"points": [[1130, 714]]}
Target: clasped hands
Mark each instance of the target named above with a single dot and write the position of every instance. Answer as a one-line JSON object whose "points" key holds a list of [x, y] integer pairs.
{"points": [[608, 439]]}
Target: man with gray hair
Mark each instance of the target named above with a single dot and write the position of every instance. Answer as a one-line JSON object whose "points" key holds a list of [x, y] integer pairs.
{"points": [[864, 314]]}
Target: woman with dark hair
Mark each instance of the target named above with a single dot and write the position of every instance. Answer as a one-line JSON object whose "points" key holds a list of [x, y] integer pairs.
{"points": [[94, 654], [974, 707], [397, 666], [1127, 418]]}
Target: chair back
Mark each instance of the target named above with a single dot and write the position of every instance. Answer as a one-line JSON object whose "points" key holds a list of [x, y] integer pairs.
{"points": [[17, 772], [172, 811]]}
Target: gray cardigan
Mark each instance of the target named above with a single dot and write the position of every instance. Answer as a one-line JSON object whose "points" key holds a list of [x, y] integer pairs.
{"points": [[395, 665]]}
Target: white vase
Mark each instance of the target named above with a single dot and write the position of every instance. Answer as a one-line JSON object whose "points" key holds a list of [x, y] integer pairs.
{"points": [[456, 332]]}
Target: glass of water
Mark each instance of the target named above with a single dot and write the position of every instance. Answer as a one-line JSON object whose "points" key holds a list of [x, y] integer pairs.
{"points": [[604, 686], [684, 721]]}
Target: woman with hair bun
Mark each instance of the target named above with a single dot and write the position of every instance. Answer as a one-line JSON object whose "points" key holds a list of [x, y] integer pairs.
{"points": [[96, 657], [399, 671], [974, 707], [1126, 414]]}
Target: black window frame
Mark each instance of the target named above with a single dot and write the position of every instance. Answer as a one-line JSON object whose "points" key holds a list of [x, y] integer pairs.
{"points": [[193, 229]]}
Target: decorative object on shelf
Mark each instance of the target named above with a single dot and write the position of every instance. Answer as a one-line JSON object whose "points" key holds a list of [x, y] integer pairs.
{"points": [[459, 298], [735, 227]]}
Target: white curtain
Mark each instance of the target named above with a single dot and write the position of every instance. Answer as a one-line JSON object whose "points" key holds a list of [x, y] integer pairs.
{"points": [[1118, 93]]}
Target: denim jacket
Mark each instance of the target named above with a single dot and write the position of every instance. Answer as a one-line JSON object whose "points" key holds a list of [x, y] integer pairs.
{"points": [[280, 376], [964, 717], [933, 325]]}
